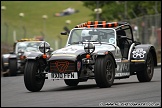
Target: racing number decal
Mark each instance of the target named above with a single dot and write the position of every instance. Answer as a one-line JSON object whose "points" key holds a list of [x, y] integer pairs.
{"points": [[122, 70], [123, 67], [139, 52], [62, 66]]}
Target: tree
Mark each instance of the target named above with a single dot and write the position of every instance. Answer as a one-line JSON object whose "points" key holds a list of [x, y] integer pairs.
{"points": [[124, 10]]}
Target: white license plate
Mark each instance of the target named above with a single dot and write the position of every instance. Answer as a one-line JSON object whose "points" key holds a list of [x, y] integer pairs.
{"points": [[72, 75]]}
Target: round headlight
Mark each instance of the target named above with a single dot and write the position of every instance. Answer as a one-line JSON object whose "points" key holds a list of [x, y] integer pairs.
{"points": [[44, 47], [19, 54], [20, 50], [89, 48]]}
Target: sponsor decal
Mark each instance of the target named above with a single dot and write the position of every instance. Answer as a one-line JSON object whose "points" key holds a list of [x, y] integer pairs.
{"points": [[123, 67], [139, 53], [122, 74]]}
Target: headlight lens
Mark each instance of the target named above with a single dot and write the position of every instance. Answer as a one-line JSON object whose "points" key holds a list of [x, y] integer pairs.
{"points": [[89, 48], [44, 47], [19, 54]]}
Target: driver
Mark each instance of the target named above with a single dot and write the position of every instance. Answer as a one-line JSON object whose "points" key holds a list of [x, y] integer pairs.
{"points": [[86, 36]]}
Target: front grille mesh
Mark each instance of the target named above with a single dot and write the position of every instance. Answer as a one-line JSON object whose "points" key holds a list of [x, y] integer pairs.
{"points": [[62, 66]]}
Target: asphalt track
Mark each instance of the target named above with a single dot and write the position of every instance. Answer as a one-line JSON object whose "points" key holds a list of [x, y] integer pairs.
{"points": [[124, 92]]}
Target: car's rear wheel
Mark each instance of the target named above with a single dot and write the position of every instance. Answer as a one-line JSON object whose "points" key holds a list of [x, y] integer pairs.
{"points": [[147, 73], [104, 71], [71, 82], [13, 67], [33, 77]]}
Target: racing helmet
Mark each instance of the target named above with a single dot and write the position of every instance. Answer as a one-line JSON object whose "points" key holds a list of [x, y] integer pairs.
{"points": [[85, 35]]}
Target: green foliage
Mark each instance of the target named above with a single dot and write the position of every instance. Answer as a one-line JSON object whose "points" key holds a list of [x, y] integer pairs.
{"points": [[110, 13], [123, 10]]}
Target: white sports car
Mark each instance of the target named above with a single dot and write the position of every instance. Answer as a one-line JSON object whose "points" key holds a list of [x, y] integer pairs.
{"points": [[95, 50]]}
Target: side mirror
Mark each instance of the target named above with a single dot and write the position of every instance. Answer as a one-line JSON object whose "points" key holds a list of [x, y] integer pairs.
{"points": [[64, 33]]}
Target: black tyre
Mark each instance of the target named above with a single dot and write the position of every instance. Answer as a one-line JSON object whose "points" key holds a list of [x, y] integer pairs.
{"points": [[147, 73], [6, 74], [71, 82], [13, 67], [3, 68], [104, 71], [33, 77]]}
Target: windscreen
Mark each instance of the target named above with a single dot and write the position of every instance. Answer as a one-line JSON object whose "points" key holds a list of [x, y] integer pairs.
{"points": [[94, 35], [28, 46]]}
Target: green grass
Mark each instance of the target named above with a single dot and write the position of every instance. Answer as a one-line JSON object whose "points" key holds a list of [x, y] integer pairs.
{"points": [[33, 21]]}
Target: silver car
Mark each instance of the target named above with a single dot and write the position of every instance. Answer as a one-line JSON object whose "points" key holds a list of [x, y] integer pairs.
{"points": [[103, 51], [14, 62]]}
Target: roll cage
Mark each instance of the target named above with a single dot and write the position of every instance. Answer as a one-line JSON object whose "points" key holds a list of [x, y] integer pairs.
{"points": [[124, 33], [118, 26]]}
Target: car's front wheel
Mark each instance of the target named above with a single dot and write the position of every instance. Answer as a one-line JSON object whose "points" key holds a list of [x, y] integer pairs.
{"points": [[33, 77], [13, 67], [147, 73], [104, 71]]}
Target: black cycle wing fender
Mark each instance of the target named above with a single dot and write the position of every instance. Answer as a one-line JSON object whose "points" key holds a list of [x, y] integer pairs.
{"points": [[140, 52], [104, 53], [34, 56]]}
